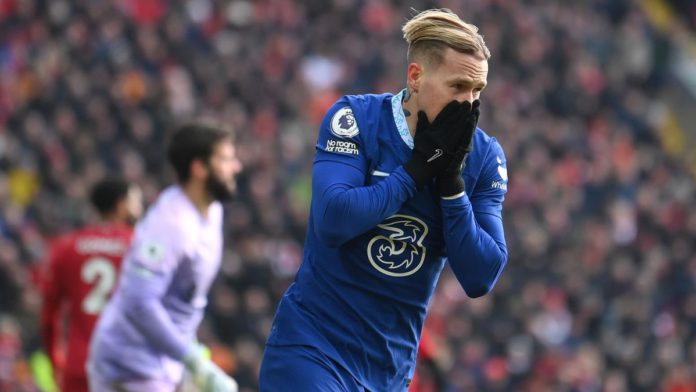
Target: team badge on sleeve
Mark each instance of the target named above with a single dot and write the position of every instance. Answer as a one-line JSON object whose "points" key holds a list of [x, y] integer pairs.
{"points": [[149, 256], [502, 172], [151, 252], [343, 123]]}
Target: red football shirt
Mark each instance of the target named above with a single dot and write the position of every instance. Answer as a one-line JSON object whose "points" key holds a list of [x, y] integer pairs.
{"points": [[81, 274]]}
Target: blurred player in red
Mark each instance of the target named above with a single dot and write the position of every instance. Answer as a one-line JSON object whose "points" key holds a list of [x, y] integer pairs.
{"points": [[82, 272], [428, 377]]}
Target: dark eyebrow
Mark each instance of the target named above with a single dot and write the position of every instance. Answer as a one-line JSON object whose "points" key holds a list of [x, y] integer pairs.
{"points": [[479, 83]]}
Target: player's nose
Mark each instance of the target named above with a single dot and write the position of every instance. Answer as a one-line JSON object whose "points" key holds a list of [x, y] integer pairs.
{"points": [[236, 166], [468, 97]]}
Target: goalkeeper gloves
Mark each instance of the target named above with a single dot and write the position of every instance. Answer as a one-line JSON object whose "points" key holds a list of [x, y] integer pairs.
{"points": [[435, 144], [207, 376], [449, 181]]}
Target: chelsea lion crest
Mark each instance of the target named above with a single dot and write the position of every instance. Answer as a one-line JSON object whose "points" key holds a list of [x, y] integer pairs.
{"points": [[343, 123]]}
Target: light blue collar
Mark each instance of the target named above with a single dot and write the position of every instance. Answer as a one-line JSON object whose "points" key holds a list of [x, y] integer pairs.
{"points": [[400, 119]]}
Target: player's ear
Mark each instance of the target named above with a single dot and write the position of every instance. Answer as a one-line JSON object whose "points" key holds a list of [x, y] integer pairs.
{"points": [[198, 169], [413, 76], [121, 209]]}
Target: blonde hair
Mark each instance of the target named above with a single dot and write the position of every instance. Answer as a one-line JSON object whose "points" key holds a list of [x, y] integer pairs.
{"points": [[430, 32]]}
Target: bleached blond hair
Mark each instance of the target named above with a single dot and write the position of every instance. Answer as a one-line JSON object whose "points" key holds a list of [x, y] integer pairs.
{"points": [[430, 32]]}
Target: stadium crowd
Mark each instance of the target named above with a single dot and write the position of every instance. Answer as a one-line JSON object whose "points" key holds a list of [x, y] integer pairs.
{"points": [[598, 294]]}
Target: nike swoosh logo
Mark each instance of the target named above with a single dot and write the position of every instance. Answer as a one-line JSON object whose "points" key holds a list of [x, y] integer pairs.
{"points": [[438, 154]]}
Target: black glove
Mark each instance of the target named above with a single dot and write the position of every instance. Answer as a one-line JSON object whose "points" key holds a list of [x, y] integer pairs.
{"points": [[435, 144], [450, 181]]}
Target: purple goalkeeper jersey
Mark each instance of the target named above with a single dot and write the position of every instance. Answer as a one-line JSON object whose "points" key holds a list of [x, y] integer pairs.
{"points": [[151, 320]]}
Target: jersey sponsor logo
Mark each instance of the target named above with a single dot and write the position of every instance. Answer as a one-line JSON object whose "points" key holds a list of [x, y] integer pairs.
{"points": [[499, 185], [341, 146], [343, 123], [502, 171], [398, 250]]}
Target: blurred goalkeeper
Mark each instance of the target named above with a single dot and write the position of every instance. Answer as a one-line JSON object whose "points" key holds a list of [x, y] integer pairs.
{"points": [[402, 184], [145, 337]]}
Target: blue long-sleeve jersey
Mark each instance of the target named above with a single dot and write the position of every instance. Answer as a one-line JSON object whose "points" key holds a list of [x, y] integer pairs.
{"points": [[376, 245]]}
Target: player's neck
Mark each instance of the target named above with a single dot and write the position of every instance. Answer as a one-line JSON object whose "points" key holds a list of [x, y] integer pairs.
{"points": [[109, 220], [200, 198], [408, 104]]}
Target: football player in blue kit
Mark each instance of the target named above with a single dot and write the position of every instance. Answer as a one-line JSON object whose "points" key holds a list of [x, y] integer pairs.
{"points": [[402, 184]]}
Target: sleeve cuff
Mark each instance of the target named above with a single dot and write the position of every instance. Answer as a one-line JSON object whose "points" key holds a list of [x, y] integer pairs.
{"points": [[457, 196], [459, 200]]}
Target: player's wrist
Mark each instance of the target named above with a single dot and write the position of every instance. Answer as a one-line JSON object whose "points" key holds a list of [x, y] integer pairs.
{"points": [[418, 170], [195, 356], [450, 185], [205, 374]]}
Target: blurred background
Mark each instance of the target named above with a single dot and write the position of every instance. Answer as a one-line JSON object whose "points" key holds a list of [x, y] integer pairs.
{"points": [[593, 101]]}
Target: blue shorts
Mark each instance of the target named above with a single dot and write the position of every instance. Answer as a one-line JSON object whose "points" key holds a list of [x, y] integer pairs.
{"points": [[303, 369]]}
